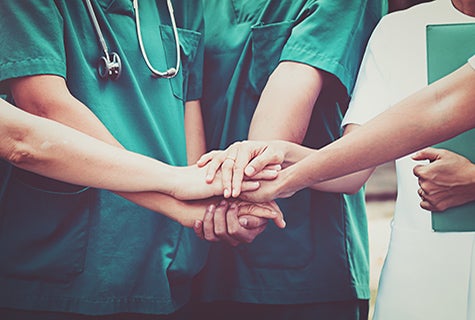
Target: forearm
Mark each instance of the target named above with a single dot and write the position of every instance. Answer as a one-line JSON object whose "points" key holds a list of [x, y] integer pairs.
{"points": [[56, 151], [284, 113], [184, 212], [77, 116], [436, 113], [194, 131], [286, 103]]}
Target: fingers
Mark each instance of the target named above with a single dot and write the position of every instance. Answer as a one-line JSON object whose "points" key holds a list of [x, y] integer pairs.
{"points": [[212, 160], [227, 172], [419, 170], [250, 185], [267, 157], [204, 159], [430, 154], [198, 228], [266, 174], [223, 222], [279, 219], [244, 234], [242, 156], [214, 165], [208, 225], [268, 210], [251, 222]]}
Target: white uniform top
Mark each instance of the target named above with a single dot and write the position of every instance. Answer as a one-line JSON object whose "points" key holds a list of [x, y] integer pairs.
{"points": [[426, 275]]}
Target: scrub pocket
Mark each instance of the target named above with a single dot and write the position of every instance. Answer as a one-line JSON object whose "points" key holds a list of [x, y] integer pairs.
{"points": [[189, 42], [291, 248], [43, 228], [267, 43]]}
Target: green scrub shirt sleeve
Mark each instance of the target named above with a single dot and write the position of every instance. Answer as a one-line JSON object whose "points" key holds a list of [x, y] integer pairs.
{"points": [[33, 43], [330, 35]]}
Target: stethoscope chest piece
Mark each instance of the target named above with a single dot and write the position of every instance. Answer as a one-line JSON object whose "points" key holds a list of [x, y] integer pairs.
{"points": [[109, 66]]}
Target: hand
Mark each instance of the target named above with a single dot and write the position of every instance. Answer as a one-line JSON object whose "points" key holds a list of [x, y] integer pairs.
{"points": [[447, 181], [270, 190], [255, 159], [237, 222], [191, 184]]}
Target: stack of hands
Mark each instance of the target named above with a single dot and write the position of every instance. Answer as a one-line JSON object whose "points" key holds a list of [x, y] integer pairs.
{"points": [[249, 175], [245, 177]]}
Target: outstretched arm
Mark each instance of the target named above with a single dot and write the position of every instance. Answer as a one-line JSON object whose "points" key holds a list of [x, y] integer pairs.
{"points": [[434, 114]]}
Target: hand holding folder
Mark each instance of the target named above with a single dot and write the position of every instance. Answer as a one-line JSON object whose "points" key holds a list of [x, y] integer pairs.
{"points": [[449, 46]]}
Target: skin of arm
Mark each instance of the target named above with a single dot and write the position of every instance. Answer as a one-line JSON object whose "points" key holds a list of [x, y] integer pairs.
{"points": [[194, 131], [286, 117], [284, 111], [114, 168], [434, 114], [34, 95], [447, 181], [301, 85]]}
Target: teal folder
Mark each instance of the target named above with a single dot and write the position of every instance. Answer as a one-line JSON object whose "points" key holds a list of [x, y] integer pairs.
{"points": [[449, 46]]}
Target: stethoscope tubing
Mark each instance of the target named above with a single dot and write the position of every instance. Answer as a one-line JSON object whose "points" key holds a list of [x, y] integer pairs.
{"points": [[110, 64], [171, 72]]}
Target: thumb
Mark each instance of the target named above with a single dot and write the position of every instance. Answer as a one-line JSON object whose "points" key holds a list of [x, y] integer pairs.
{"points": [[430, 154], [267, 158], [252, 222]]}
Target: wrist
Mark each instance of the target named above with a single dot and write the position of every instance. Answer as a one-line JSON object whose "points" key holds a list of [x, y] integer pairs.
{"points": [[286, 184], [173, 177]]}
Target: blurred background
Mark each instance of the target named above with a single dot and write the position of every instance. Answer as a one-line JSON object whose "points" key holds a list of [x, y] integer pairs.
{"points": [[380, 196]]}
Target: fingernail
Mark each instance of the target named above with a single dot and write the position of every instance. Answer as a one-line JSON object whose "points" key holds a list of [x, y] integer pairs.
{"points": [[233, 205], [249, 170], [243, 221], [222, 203], [197, 224], [283, 223], [226, 193]]}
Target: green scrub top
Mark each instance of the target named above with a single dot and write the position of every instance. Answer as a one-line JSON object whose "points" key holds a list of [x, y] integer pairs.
{"points": [[73, 249], [322, 254]]}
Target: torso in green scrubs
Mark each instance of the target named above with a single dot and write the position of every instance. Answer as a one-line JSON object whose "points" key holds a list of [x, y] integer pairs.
{"points": [[322, 254], [73, 249]]}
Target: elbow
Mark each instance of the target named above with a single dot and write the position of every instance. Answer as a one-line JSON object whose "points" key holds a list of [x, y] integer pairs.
{"points": [[353, 189], [20, 155], [19, 152]]}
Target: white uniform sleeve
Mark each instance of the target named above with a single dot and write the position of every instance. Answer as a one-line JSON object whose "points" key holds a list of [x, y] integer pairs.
{"points": [[471, 61], [370, 96]]}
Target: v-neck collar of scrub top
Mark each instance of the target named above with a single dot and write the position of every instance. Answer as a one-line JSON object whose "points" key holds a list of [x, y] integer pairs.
{"points": [[247, 11], [124, 7]]}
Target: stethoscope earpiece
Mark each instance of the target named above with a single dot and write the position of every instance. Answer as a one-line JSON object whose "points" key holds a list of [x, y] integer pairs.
{"points": [[109, 66]]}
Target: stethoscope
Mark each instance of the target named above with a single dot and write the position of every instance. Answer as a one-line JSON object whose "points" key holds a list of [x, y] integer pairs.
{"points": [[110, 65]]}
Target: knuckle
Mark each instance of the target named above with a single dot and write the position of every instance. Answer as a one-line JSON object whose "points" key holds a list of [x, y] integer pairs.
{"points": [[209, 237], [234, 231], [220, 232]]}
